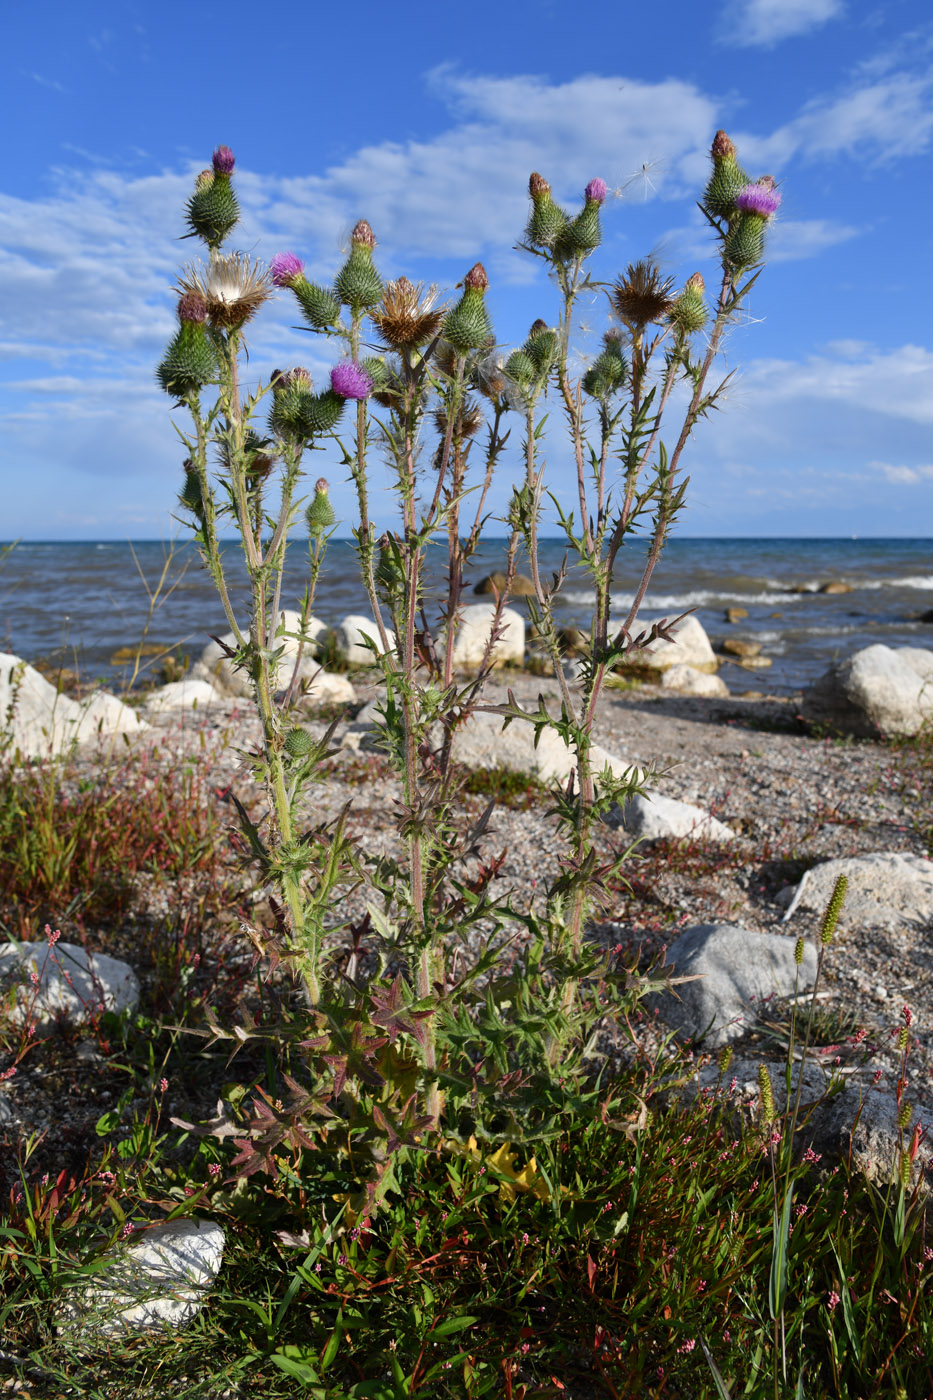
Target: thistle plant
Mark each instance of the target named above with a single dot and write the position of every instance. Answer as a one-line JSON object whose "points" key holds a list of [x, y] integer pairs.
{"points": [[405, 1044]]}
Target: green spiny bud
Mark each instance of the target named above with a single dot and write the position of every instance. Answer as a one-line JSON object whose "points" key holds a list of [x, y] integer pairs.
{"points": [[358, 284], [320, 513], [584, 233], [833, 910], [608, 372], [320, 413], [798, 951], [213, 209], [319, 306], [689, 311], [290, 395], [767, 1094], [467, 325], [726, 181], [189, 363], [190, 495], [521, 368], [547, 220], [378, 371], [298, 743], [541, 347], [745, 241]]}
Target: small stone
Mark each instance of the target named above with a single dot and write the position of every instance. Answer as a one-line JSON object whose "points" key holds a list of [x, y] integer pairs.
{"points": [[737, 646], [653, 817], [522, 587], [687, 680], [189, 694], [472, 636], [351, 646], [736, 614], [70, 982], [835, 586]]}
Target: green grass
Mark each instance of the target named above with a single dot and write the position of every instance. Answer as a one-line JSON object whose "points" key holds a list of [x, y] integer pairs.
{"points": [[575, 1234]]}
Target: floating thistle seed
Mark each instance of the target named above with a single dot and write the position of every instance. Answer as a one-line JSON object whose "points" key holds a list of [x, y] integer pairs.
{"points": [[351, 380], [408, 316], [727, 179], [358, 284], [489, 375], [767, 1094], [212, 210], [467, 326], [689, 312], [547, 220], [642, 296], [833, 910], [320, 513], [190, 361], [232, 288]]}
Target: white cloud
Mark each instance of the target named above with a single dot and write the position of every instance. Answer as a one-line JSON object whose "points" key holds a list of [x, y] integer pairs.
{"points": [[903, 476], [749, 23], [793, 239]]}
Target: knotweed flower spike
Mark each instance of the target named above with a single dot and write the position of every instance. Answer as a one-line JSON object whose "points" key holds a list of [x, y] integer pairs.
{"points": [[351, 381], [232, 287], [286, 269]]}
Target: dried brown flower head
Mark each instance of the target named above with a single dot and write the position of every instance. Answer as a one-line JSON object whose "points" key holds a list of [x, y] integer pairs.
{"points": [[408, 316], [232, 288], [489, 376], [642, 295], [469, 420]]}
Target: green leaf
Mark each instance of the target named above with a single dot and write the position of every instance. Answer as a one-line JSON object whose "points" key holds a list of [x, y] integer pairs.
{"points": [[777, 1288], [290, 1360], [453, 1324]]}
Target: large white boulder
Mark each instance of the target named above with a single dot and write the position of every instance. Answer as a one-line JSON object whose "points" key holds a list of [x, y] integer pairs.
{"points": [[351, 646], [317, 687], [877, 691], [886, 889], [157, 1282], [687, 680], [652, 817], [482, 743], [44, 722], [736, 969], [189, 694], [63, 979], [216, 667], [474, 630], [690, 646]]}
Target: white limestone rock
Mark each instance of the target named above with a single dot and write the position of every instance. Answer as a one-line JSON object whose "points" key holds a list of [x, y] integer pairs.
{"points": [[886, 889], [317, 687], [45, 723], [877, 691], [189, 694], [349, 635], [475, 626], [482, 743], [690, 647], [216, 666], [736, 969], [69, 982], [687, 680], [156, 1282], [653, 817]]}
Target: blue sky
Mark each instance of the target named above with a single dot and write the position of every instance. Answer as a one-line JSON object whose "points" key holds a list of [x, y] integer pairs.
{"points": [[427, 120]]}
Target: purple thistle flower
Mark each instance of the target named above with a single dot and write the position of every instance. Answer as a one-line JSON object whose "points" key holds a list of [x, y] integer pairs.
{"points": [[191, 308], [286, 269], [595, 191], [224, 160], [350, 380], [759, 198]]}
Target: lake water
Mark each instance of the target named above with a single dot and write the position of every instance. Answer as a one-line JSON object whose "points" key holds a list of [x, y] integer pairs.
{"points": [[81, 602]]}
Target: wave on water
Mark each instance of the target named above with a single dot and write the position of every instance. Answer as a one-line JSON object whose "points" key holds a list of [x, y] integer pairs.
{"points": [[697, 598], [815, 585]]}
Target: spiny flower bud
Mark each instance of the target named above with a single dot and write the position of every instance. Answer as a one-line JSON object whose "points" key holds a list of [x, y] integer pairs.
{"points": [[767, 1094], [727, 179], [286, 268], [298, 743], [213, 210], [350, 381], [319, 306], [833, 910], [320, 513], [584, 234], [192, 308], [547, 220], [467, 325], [689, 311], [608, 372], [190, 496], [358, 284]]}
